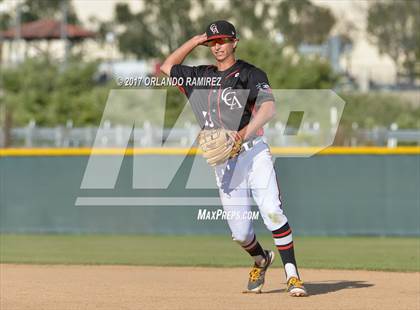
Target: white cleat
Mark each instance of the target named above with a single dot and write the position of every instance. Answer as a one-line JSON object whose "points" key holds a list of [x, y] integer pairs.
{"points": [[295, 287]]}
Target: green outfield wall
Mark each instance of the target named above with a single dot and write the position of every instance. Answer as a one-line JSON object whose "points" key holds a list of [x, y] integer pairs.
{"points": [[330, 194]]}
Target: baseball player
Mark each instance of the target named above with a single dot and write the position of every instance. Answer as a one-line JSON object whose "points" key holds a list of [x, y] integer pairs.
{"points": [[233, 143]]}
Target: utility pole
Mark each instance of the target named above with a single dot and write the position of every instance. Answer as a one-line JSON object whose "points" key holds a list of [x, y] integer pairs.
{"points": [[18, 33], [63, 30]]}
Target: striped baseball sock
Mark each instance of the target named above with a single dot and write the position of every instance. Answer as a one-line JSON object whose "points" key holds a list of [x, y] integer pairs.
{"points": [[284, 242], [255, 250]]}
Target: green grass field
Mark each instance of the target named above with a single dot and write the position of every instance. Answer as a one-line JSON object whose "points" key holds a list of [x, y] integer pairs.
{"points": [[370, 253]]}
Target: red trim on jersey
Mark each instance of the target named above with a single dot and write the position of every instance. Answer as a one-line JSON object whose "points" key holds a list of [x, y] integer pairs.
{"points": [[230, 74], [182, 89], [218, 107]]}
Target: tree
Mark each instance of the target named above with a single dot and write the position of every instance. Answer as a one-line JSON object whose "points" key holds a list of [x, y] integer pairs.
{"points": [[300, 21], [11, 103], [41, 90], [32, 10], [256, 13], [138, 40], [159, 28], [163, 25], [4, 20], [286, 71], [207, 12], [394, 27]]}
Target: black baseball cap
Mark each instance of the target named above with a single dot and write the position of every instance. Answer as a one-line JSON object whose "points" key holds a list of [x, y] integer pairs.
{"points": [[220, 29]]}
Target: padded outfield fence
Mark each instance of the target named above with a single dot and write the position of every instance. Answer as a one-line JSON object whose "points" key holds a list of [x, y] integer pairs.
{"points": [[340, 191]]}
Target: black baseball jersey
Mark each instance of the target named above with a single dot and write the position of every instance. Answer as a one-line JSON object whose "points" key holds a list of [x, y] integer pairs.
{"points": [[231, 100]]}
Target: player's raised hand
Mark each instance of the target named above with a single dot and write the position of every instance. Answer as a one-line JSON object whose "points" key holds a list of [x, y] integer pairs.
{"points": [[200, 39], [180, 53]]}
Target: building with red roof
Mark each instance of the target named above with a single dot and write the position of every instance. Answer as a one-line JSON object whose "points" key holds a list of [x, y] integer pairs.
{"points": [[47, 29], [19, 40]]}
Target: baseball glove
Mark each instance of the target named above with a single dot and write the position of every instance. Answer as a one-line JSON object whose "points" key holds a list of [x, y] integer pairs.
{"points": [[218, 145]]}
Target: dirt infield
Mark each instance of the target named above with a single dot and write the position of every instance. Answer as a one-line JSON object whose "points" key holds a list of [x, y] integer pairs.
{"points": [[62, 287]]}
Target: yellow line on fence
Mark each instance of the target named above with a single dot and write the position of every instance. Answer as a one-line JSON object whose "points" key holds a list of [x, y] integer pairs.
{"points": [[95, 151], [343, 150], [408, 150]]}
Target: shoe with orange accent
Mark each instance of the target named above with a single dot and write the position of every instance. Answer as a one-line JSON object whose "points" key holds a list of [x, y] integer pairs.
{"points": [[257, 274], [295, 287]]}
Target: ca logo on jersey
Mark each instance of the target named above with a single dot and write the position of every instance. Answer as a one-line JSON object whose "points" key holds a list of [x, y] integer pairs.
{"points": [[230, 99]]}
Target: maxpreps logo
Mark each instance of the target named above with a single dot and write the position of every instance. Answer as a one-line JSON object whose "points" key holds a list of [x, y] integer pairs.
{"points": [[214, 29], [219, 214], [151, 179]]}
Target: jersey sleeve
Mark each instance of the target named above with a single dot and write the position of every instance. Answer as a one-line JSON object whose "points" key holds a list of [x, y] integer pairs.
{"points": [[182, 71], [259, 87]]}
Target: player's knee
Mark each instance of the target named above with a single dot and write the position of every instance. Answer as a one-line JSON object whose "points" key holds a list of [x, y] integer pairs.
{"points": [[274, 220], [242, 238]]}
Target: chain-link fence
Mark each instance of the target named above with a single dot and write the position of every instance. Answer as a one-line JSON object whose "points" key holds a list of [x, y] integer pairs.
{"points": [[148, 136]]}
